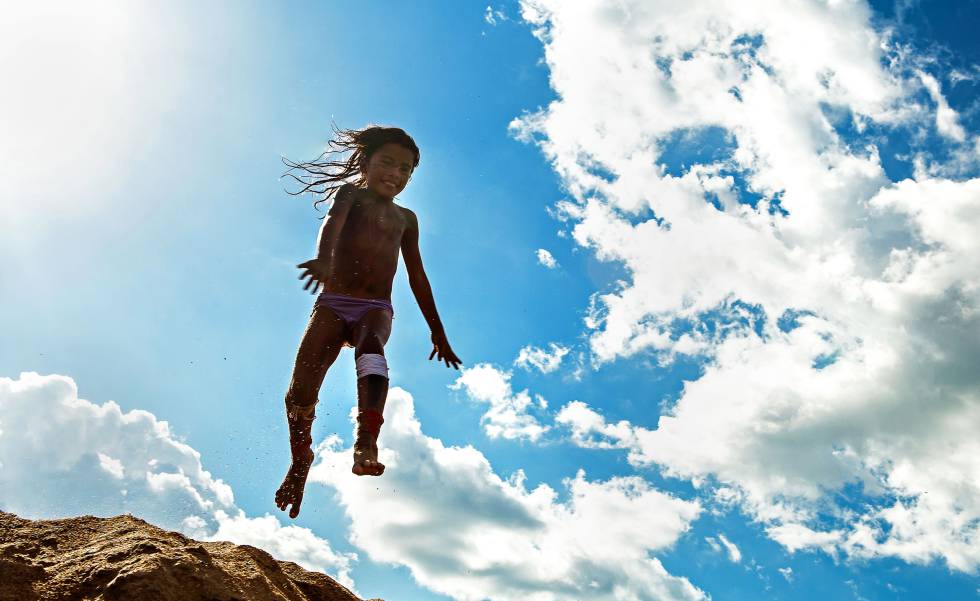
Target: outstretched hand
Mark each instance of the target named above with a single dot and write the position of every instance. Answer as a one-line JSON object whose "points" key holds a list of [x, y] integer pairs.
{"points": [[440, 347], [316, 271]]}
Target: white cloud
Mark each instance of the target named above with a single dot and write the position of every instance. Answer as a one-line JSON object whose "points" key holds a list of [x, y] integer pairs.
{"points": [[590, 430], [78, 457], [110, 465], [541, 359], [546, 258], [875, 383], [947, 121], [795, 537], [492, 15], [722, 544], [465, 532], [508, 415], [62, 456], [787, 573], [286, 543], [733, 553]]}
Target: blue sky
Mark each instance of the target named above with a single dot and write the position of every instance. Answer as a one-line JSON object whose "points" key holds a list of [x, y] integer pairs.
{"points": [[149, 251]]}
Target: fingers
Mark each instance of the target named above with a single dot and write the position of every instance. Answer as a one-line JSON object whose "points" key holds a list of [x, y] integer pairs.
{"points": [[451, 359], [315, 278], [313, 281], [440, 357], [448, 357]]}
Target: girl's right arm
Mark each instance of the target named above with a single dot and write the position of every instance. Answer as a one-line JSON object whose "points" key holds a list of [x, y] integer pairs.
{"points": [[320, 268], [336, 217]]}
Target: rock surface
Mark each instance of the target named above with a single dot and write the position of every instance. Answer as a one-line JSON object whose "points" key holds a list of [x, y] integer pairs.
{"points": [[108, 559]]}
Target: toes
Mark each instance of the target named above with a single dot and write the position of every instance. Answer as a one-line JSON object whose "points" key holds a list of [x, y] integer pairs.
{"points": [[295, 501]]}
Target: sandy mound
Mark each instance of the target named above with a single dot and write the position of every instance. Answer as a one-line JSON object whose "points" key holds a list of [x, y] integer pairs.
{"points": [[126, 558]]}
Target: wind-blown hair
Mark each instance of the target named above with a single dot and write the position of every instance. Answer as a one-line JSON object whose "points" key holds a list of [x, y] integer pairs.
{"points": [[323, 176]]}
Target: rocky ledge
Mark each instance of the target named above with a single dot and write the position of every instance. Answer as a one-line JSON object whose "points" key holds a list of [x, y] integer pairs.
{"points": [[123, 558]]}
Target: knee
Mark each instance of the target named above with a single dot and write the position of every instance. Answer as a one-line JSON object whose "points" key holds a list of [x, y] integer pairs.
{"points": [[369, 345]]}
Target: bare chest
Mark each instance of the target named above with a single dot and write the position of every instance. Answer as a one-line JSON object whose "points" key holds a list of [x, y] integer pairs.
{"points": [[374, 223]]}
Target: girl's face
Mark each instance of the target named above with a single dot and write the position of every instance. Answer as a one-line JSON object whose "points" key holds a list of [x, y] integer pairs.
{"points": [[389, 169]]}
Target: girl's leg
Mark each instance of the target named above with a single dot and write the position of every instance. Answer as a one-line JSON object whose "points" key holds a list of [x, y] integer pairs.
{"points": [[321, 343], [318, 349], [370, 336]]}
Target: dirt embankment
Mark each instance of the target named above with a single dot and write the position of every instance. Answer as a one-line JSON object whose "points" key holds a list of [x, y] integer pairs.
{"points": [[125, 558]]}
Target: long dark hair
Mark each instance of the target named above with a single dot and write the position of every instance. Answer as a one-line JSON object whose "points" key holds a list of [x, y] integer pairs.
{"points": [[323, 177]]}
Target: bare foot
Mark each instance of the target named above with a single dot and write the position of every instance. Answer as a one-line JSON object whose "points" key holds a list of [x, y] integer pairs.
{"points": [[366, 460], [291, 490]]}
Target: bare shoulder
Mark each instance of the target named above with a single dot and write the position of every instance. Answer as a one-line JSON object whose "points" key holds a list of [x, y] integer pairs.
{"points": [[411, 220], [348, 189], [344, 196]]}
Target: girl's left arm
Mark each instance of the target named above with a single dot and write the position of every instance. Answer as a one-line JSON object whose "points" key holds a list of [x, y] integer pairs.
{"points": [[419, 283]]}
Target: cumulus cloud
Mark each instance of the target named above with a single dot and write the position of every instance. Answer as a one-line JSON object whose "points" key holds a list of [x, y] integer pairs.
{"points": [[466, 532], [546, 258], [545, 361], [590, 430], [508, 415], [61, 456], [288, 543], [721, 154]]}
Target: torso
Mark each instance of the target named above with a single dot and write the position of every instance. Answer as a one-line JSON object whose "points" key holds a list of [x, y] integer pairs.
{"points": [[366, 255]]}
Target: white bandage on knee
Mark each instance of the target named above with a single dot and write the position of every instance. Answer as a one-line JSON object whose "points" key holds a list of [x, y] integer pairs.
{"points": [[370, 364]]}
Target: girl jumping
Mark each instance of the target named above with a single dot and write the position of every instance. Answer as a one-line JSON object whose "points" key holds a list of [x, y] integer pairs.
{"points": [[356, 260]]}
